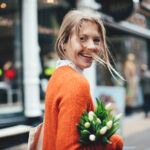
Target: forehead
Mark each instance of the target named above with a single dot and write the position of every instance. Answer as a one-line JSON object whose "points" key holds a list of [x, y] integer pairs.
{"points": [[89, 27]]}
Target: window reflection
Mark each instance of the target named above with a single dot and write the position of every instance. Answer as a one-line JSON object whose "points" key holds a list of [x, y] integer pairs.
{"points": [[10, 58]]}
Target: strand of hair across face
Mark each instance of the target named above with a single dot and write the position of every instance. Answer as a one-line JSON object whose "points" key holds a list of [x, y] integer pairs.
{"points": [[109, 66]]}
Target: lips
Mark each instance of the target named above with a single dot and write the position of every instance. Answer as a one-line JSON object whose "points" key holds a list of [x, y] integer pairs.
{"points": [[86, 55]]}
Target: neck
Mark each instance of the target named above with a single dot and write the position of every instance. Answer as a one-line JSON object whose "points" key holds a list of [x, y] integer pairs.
{"points": [[68, 63]]}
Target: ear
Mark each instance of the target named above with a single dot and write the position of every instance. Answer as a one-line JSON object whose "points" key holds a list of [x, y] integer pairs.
{"points": [[64, 45]]}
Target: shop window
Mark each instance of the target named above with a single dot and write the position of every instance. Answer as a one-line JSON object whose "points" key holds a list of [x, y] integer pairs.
{"points": [[10, 57], [128, 54], [49, 19]]}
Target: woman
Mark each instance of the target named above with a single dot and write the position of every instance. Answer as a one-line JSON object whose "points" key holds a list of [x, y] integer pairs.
{"points": [[81, 39]]}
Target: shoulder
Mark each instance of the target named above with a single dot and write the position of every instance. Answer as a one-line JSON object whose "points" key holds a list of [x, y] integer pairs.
{"points": [[69, 77], [71, 87], [67, 80]]}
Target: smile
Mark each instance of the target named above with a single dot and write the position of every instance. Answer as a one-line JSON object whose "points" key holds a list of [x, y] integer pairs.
{"points": [[85, 55]]}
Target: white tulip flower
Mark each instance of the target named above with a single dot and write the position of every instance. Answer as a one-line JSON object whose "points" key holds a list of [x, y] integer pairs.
{"points": [[108, 106], [109, 124], [87, 124], [90, 117], [91, 113], [98, 120], [118, 117], [103, 130], [92, 137]]}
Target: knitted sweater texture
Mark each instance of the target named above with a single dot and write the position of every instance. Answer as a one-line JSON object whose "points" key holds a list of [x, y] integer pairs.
{"points": [[68, 94]]}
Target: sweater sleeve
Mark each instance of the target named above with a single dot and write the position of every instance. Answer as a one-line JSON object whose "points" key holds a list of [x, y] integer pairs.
{"points": [[71, 107]]}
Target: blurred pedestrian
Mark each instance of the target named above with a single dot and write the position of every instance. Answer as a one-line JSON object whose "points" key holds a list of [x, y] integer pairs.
{"points": [[9, 71], [81, 40], [131, 82], [145, 85]]}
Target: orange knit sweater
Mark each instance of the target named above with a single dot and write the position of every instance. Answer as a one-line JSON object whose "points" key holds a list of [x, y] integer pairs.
{"points": [[68, 94]]}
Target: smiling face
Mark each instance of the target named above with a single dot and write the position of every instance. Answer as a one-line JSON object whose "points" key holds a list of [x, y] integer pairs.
{"points": [[78, 47]]}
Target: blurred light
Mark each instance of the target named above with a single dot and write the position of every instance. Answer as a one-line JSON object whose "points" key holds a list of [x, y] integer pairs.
{"points": [[49, 1], [5, 22], [49, 71], [45, 30], [1, 72], [136, 1], [3, 5]]}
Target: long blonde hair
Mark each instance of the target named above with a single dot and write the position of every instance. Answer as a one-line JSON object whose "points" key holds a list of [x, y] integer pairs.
{"points": [[72, 22]]}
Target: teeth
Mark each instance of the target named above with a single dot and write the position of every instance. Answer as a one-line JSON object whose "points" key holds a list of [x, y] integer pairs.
{"points": [[87, 55]]}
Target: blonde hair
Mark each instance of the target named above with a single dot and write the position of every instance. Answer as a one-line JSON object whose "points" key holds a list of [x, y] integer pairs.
{"points": [[72, 22]]}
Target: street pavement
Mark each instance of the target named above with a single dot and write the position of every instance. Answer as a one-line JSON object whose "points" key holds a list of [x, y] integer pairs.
{"points": [[136, 133]]}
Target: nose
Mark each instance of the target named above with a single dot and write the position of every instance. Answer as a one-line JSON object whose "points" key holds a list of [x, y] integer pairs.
{"points": [[91, 45]]}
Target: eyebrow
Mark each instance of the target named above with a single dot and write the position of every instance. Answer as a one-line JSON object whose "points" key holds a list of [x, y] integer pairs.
{"points": [[97, 36]]}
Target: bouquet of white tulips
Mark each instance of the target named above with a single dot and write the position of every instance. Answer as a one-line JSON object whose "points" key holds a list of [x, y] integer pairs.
{"points": [[98, 126]]}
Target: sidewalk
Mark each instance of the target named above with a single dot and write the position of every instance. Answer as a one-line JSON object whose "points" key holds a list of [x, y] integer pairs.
{"points": [[136, 133]]}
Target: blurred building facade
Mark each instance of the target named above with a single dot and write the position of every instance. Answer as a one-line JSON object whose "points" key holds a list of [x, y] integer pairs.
{"points": [[28, 30]]}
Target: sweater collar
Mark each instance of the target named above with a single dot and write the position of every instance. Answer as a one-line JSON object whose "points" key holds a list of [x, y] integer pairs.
{"points": [[60, 63]]}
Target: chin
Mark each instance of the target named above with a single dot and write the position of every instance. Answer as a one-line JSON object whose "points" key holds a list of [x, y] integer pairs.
{"points": [[83, 66], [87, 66]]}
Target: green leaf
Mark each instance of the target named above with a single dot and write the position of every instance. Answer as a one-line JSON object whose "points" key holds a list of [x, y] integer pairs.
{"points": [[97, 125], [92, 127], [78, 128], [111, 117], [82, 120], [85, 134], [85, 113], [97, 133], [95, 118], [105, 140], [104, 123], [109, 111], [98, 109], [86, 118], [83, 142], [113, 130], [98, 102], [103, 107], [103, 115]]}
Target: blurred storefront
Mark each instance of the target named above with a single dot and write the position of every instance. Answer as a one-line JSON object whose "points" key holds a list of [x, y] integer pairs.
{"points": [[11, 89], [128, 41], [28, 30]]}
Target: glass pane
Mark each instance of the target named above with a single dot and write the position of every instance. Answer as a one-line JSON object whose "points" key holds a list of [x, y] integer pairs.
{"points": [[49, 20], [10, 58], [128, 53]]}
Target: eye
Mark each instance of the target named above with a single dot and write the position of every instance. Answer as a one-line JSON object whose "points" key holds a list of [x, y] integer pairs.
{"points": [[97, 40], [82, 38]]}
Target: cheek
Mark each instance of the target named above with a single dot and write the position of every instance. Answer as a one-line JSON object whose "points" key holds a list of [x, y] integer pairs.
{"points": [[77, 49], [99, 50], [76, 44]]}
